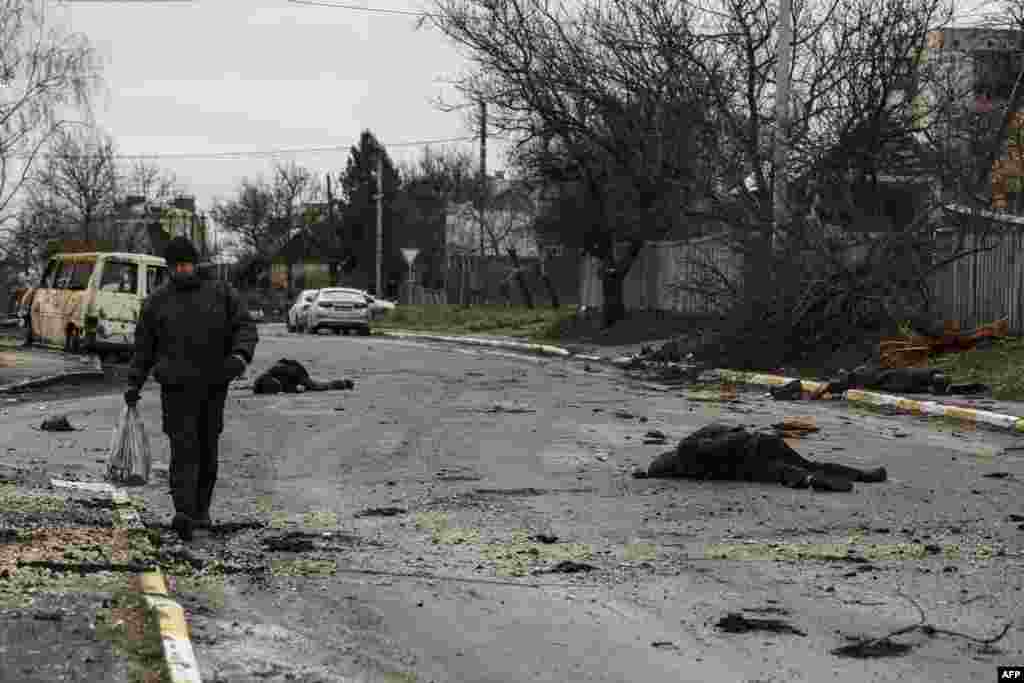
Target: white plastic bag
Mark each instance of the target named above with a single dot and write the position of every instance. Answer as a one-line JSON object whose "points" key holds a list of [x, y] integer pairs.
{"points": [[130, 458]]}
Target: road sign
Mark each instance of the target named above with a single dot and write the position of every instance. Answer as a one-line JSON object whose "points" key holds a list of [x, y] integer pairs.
{"points": [[410, 255]]}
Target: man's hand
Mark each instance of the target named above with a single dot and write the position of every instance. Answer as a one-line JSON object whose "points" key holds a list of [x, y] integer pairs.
{"points": [[131, 397], [234, 366]]}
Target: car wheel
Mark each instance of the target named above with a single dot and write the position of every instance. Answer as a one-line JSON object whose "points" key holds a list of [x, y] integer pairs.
{"points": [[337, 331], [288, 326], [313, 329], [365, 331]]}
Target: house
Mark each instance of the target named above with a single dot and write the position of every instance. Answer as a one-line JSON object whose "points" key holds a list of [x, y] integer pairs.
{"points": [[506, 221], [978, 67]]}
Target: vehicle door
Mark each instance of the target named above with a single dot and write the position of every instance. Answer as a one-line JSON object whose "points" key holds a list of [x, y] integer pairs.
{"points": [[74, 296], [118, 299], [43, 309], [156, 276]]}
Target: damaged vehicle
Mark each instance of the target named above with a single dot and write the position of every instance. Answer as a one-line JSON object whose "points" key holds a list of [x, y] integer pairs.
{"points": [[90, 301]]}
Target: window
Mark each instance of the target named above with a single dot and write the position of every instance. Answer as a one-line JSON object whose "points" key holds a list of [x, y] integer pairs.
{"points": [[155, 278], [120, 277], [75, 274]]}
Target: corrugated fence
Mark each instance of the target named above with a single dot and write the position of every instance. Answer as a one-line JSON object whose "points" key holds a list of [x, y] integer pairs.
{"points": [[985, 286], [977, 289], [659, 266]]}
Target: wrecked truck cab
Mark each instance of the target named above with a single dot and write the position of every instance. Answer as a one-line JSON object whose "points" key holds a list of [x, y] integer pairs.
{"points": [[90, 302]]}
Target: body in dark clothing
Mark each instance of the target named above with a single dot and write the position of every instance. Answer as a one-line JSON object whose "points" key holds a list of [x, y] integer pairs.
{"points": [[723, 452], [195, 336]]}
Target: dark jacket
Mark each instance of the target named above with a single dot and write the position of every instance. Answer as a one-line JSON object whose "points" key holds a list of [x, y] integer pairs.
{"points": [[186, 331]]}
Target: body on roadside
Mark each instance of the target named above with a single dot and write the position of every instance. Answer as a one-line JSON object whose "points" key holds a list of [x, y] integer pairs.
{"points": [[195, 336]]}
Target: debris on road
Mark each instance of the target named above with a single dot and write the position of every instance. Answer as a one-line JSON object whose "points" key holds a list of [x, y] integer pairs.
{"points": [[291, 377], [790, 391], [567, 567], [381, 512], [795, 427], [507, 408], [914, 350], [544, 538], [734, 622], [722, 452], [294, 542], [57, 423], [655, 437]]}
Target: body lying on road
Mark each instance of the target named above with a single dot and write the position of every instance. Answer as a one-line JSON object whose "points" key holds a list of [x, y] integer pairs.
{"points": [[732, 453]]}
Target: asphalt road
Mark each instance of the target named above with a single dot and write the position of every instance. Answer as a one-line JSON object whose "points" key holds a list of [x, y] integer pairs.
{"points": [[480, 450]]}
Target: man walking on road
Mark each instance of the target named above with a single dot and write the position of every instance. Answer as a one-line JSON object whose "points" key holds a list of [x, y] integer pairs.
{"points": [[196, 337]]}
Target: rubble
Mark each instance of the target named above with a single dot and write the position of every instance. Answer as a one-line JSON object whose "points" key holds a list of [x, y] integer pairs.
{"points": [[721, 452], [915, 350]]}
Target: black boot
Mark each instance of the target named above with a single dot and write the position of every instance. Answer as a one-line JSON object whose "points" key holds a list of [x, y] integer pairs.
{"points": [[182, 525]]}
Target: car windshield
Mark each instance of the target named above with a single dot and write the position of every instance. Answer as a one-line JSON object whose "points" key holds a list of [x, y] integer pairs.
{"points": [[340, 295]]}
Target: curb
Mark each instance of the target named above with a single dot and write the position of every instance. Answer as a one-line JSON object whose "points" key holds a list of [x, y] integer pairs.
{"points": [[900, 404], [542, 349], [179, 658], [40, 382]]}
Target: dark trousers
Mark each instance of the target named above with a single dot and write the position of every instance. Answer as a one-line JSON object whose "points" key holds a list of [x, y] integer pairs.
{"points": [[193, 419]]}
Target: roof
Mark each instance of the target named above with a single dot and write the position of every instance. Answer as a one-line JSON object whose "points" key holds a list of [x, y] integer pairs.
{"points": [[86, 255]]}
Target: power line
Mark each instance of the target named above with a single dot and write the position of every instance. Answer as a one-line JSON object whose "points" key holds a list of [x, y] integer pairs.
{"points": [[260, 153], [358, 8]]}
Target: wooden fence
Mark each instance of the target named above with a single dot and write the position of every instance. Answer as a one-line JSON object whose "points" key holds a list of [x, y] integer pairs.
{"points": [[652, 282], [984, 286]]}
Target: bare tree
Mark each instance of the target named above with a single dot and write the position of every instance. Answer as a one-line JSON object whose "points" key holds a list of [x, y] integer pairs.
{"points": [[599, 100], [79, 177], [151, 182], [47, 73]]}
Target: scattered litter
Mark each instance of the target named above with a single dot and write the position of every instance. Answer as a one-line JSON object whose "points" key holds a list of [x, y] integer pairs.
{"points": [[664, 645], [381, 512], [625, 415], [873, 649], [58, 423], [998, 475], [734, 622], [1015, 518], [790, 391], [295, 542], [655, 434], [499, 408], [567, 567], [545, 538]]}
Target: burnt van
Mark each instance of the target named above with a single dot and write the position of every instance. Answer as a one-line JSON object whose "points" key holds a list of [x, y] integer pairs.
{"points": [[90, 302]]}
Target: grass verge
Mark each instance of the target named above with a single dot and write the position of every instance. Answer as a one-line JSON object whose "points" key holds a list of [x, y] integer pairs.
{"points": [[134, 629], [536, 324], [1000, 366]]}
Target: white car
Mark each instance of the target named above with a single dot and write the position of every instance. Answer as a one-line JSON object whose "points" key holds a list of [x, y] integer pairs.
{"points": [[302, 302], [337, 308], [378, 307]]}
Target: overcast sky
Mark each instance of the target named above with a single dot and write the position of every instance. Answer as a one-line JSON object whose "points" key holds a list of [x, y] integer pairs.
{"points": [[212, 76]]}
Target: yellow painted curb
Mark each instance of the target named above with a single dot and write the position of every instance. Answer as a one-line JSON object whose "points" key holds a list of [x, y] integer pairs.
{"points": [[905, 405]]}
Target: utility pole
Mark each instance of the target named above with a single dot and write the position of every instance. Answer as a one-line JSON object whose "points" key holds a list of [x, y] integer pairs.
{"points": [[483, 171], [332, 237], [380, 218], [783, 67]]}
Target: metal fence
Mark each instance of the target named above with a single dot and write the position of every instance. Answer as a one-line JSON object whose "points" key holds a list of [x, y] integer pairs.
{"points": [[653, 281]]}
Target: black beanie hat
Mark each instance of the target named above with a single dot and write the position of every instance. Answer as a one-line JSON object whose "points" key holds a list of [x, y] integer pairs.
{"points": [[180, 250]]}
